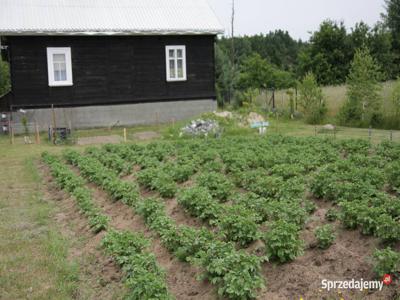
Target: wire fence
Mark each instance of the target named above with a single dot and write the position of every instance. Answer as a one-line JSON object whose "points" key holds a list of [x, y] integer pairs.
{"points": [[373, 135], [291, 128]]}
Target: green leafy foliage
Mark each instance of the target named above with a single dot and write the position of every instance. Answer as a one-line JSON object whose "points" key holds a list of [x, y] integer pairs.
{"points": [[75, 185], [386, 261], [5, 83], [218, 185], [144, 277], [186, 243], [363, 104], [331, 215], [312, 100], [393, 176], [387, 228], [282, 241], [239, 224], [199, 203], [236, 272], [325, 236]]}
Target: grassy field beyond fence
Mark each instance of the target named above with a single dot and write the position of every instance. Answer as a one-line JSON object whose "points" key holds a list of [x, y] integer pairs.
{"points": [[335, 97]]}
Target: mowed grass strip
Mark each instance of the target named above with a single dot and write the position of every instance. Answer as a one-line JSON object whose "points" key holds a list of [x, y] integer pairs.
{"points": [[33, 254]]}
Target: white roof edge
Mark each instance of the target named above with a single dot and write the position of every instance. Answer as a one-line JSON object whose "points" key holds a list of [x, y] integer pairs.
{"points": [[108, 17], [108, 33]]}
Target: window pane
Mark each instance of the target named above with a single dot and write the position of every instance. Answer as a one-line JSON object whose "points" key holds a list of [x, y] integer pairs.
{"points": [[57, 76], [63, 75], [179, 53], [180, 68], [171, 53], [172, 68], [59, 58], [60, 71]]}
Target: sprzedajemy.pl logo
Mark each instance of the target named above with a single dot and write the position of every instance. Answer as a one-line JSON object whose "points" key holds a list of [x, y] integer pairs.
{"points": [[356, 284]]}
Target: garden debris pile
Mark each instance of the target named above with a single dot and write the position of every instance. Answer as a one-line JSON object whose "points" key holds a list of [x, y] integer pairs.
{"points": [[201, 128]]}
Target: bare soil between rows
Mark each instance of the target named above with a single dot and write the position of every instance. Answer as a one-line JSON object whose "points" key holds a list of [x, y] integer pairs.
{"points": [[346, 259]]}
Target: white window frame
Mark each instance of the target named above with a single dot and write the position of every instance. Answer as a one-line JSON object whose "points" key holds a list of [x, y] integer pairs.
{"points": [[167, 59], [50, 66]]}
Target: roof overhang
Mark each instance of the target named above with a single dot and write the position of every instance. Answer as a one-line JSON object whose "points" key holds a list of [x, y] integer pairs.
{"points": [[108, 33]]}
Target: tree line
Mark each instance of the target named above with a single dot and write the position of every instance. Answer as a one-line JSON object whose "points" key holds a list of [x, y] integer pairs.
{"points": [[276, 60]]}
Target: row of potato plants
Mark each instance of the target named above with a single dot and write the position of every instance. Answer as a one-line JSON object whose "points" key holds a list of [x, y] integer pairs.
{"points": [[238, 222], [67, 180], [235, 272], [111, 160], [357, 186], [143, 277]]}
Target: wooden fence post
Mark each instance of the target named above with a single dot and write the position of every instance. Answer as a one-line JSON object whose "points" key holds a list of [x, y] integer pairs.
{"points": [[125, 135]]}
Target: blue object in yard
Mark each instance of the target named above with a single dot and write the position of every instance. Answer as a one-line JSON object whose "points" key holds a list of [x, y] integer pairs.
{"points": [[259, 125]]}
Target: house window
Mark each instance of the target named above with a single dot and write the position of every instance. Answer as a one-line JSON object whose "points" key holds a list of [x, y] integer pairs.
{"points": [[59, 66], [176, 63]]}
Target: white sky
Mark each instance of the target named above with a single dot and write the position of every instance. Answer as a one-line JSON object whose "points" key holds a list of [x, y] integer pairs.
{"points": [[299, 17]]}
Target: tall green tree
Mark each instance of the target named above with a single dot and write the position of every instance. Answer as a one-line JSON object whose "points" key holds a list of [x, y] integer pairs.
{"points": [[5, 83], [225, 76], [392, 21], [257, 73], [363, 103], [311, 99], [379, 40], [328, 55]]}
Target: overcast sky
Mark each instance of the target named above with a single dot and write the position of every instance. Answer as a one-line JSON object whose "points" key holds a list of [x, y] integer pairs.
{"points": [[299, 17]]}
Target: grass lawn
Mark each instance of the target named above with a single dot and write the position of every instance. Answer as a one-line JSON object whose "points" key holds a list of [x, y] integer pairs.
{"points": [[34, 260], [33, 255]]}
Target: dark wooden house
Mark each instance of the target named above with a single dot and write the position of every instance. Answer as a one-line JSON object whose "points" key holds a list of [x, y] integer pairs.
{"points": [[107, 62]]}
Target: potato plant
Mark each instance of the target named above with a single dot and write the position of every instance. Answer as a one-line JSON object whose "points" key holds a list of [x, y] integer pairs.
{"points": [[218, 185], [75, 185], [393, 175], [186, 246], [386, 261], [143, 276], [325, 236], [282, 241]]}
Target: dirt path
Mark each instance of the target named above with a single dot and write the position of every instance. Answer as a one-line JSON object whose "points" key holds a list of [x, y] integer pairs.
{"points": [[99, 277]]}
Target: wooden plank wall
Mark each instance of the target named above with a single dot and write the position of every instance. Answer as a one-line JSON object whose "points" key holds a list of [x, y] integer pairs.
{"points": [[110, 70]]}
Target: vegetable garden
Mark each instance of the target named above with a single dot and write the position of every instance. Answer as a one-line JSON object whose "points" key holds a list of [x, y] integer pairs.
{"points": [[267, 207]]}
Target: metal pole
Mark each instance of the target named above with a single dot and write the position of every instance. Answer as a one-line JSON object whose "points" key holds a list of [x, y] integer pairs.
{"points": [[54, 124], [391, 135], [10, 126]]}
